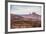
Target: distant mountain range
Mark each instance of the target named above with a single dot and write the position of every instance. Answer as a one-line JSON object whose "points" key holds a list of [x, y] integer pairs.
{"points": [[26, 17]]}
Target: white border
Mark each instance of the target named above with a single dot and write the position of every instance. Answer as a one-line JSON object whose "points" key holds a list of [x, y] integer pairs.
{"points": [[24, 29]]}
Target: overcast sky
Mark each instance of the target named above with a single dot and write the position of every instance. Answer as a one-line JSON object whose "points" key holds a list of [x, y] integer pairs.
{"points": [[22, 9]]}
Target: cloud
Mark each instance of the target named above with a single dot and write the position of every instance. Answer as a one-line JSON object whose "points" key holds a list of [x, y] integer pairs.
{"points": [[18, 9]]}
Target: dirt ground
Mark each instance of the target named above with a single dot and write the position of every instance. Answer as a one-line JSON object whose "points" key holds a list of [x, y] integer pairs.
{"points": [[25, 24]]}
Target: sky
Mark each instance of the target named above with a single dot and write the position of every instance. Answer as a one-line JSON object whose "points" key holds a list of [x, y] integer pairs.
{"points": [[24, 9]]}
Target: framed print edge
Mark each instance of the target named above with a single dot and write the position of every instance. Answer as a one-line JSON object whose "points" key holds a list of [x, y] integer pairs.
{"points": [[6, 16]]}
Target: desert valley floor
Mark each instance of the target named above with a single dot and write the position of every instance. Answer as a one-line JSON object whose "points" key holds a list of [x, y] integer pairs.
{"points": [[25, 21]]}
